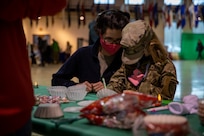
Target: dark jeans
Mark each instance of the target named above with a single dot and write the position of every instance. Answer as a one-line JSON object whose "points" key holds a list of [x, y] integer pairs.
{"points": [[199, 56], [26, 130]]}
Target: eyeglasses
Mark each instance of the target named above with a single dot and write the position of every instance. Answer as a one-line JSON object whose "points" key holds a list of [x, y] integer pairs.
{"points": [[110, 40]]}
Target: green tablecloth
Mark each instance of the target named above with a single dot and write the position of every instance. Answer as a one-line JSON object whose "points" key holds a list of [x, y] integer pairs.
{"points": [[84, 128]]}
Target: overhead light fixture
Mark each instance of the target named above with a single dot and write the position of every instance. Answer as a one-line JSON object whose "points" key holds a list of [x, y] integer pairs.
{"points": [[81, 18]]}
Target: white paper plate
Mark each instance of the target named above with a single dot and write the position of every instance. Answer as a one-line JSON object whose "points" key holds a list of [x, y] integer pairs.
{"points": [[85, 103], [72, 109]]}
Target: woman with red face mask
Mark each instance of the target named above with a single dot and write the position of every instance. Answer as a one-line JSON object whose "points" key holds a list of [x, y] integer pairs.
{"points": [[92, 63]]}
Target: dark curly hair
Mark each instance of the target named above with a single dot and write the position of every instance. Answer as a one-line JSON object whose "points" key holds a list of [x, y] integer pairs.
{"points": [[113, 19]]}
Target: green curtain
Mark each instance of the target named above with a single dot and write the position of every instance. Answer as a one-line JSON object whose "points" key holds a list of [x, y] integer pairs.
{"points": [[188, 46]]}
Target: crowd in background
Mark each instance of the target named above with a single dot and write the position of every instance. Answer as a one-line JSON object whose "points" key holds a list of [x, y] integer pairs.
{"points": [[43, 53]]}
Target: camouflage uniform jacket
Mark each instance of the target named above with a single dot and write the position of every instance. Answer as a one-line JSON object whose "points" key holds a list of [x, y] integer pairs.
{"points": [[159, 78]]}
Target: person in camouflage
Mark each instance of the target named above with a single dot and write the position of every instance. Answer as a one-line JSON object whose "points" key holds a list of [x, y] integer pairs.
{"points": [[146, 66]]}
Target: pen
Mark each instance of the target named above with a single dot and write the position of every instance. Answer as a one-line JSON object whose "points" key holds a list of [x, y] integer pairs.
{"points": [[157, 108], [104, 82]]}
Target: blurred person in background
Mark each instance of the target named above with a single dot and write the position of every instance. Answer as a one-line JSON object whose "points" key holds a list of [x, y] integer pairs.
{"points": [[42, 46], [199, 49], [55, 51], [16, 93], [93, 36], [146, 66], [68, 50], [100, 60]]}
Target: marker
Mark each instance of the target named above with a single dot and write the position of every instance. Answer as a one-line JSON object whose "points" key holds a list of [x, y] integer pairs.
{"points": [[104, 83], [158, 108]]}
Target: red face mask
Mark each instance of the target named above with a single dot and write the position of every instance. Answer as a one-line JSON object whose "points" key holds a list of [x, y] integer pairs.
{"points": [[109, 47]]}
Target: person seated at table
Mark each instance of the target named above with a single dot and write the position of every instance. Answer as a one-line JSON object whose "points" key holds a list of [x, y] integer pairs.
{"points": [[92, 63], [146, 67]]}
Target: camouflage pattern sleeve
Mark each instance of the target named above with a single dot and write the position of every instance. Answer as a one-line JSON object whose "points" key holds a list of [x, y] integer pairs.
{"points": [[168, 80], [161, 79], [118, 80]]}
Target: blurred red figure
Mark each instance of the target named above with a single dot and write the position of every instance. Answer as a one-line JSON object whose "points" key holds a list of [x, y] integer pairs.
{"points": [[17, 99]]}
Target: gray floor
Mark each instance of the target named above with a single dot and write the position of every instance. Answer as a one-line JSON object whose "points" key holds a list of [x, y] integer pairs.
{"points": [[190, 76]]}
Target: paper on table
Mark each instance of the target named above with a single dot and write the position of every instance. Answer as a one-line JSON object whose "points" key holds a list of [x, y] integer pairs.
{"points": [[72, 109], [85, 103]]}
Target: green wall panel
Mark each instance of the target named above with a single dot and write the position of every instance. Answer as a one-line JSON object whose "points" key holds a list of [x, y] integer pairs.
{"points": [[188, 46]]}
